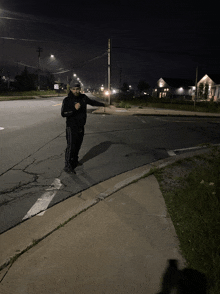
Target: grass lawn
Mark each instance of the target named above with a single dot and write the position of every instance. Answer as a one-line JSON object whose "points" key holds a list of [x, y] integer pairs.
{"points": [[175, 105], [193, 203], [5, 96]]}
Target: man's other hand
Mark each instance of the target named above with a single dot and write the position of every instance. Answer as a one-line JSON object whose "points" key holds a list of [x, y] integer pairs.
{"points": [[77, 106]]}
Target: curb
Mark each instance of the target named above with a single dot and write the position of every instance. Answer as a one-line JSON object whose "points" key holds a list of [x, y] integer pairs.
{"points": [[29, 226], [12, 98], [154, 112], [178, 115]]}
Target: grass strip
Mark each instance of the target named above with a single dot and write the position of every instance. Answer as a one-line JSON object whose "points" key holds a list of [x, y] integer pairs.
{"points": [[16, 98], [195, 213], [28, 93], [7, 96], [173, 105]]}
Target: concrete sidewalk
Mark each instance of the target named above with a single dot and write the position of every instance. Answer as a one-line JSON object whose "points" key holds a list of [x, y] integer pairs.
{"points": [[115, 237]]}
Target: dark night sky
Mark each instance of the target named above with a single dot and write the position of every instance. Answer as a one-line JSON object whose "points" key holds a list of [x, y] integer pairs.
{"points": [[150, 39]]}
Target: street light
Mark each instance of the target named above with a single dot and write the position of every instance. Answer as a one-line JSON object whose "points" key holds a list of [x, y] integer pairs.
{"points": [[78, 79]]}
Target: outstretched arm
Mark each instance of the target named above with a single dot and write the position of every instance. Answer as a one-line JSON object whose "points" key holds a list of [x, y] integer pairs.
{"points": [[94, 102]]}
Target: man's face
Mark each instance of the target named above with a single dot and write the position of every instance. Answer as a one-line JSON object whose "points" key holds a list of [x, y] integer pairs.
{"points": [[75, 91]]}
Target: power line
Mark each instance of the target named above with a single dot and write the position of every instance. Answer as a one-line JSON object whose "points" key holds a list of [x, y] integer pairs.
{"points": [[17, 39]]}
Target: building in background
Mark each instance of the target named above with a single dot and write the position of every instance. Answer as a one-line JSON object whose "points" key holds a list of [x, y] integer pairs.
{"points": [[174, 88], [209, 87]]}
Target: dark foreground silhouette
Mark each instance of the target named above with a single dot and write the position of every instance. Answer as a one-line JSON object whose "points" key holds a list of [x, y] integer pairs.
{"points": [[186, 281]]}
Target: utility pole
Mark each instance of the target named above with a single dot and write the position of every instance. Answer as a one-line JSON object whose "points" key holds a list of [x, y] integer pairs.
{"points": [[68, 84], [109, 71], [39, 50], [120, 72], [196, 88], [8, 79]]}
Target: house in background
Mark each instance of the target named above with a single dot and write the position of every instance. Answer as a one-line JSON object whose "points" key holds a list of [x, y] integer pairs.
{"points": [[212, 84], [174, 88]]}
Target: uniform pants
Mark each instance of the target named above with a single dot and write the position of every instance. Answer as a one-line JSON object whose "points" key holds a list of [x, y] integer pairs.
{"points": [[74, 138]]}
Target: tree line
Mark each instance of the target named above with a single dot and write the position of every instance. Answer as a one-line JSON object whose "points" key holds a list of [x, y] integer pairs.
{"points": [[142, 86], [27, 81]]}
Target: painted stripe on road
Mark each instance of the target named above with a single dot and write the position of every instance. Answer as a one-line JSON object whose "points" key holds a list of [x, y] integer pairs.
{"points": [[1, 128], [43, 202], [172, 152], [142, 120], [57, 104]]}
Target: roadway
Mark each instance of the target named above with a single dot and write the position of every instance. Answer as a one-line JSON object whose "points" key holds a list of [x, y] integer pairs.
{"points": [[33, 144]]}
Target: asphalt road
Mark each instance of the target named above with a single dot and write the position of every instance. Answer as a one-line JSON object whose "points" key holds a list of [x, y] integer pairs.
{"points": [[33, 144]]}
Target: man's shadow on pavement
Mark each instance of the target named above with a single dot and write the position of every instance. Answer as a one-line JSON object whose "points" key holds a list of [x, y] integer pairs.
{"points": [[96, 150], [185, 281], [87, 179]]}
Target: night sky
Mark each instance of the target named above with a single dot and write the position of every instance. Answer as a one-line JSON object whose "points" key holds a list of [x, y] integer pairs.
{"points": [[150, 39]]}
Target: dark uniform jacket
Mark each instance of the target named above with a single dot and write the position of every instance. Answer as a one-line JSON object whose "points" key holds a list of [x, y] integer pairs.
{"points": [[76, 118]]}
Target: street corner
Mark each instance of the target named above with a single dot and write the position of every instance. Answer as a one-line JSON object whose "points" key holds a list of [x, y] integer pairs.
{"points": [[111, 109], [102, 110]]}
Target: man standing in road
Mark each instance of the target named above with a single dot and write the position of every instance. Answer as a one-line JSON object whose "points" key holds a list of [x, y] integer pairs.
{"points": [[74, 109]]}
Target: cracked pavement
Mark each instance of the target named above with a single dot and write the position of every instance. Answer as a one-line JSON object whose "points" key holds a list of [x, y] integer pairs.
{"points": [[34, 171], [23, 184]]}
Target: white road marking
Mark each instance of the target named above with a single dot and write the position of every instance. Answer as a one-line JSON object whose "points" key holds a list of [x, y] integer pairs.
{"points": [[57, 104], [172, 152], [42, 203], [176, 121], [184, 121], [142, 120], [1, 128]]}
